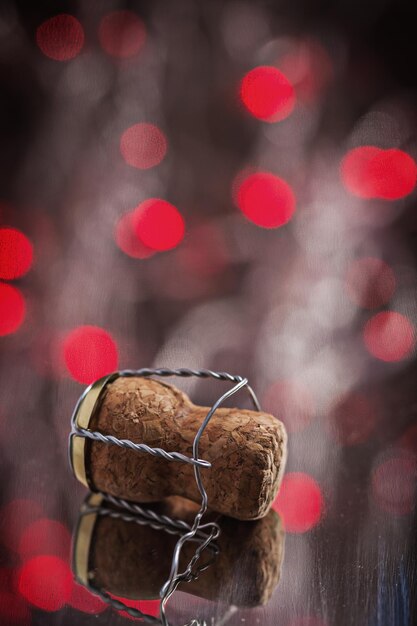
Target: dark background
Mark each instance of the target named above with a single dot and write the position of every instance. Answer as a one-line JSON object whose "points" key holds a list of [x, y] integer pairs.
{"points": [[232, 296]]}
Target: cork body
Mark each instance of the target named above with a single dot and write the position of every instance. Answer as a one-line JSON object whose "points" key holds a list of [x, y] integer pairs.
{"points": [[134, 561], [247, 449]]}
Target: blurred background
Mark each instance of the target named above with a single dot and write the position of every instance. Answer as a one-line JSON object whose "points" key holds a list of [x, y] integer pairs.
{"points": [[224, 185]]}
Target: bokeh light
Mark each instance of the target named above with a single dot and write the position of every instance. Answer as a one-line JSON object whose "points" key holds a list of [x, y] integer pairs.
{"points": [[61, 37], [389, 336], [85, 601], [13, 609], [308, 67], [127, 239], [12, 309], [370, 282], [370, 172], [356, 172], [394, 483], [122, 34], [267, 94], [89, 352], [16, 253], [15, 517], [299, 502], [143, 145], [45, 536], [265, 199], [45, 582], [158, 224], [352, 419], [291, 403]]}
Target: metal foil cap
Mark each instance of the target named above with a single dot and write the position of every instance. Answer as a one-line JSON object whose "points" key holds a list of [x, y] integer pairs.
{"points": [[86, 407]]}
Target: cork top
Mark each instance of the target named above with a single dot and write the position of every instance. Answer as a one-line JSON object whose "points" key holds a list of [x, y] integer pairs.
{"points": [[246, 449]]}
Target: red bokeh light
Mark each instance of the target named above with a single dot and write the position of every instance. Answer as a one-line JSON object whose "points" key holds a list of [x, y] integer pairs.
{"points": [[85, 601], [61, 37], [265, 199], [299, 502], [12, 309], [370, 172], [370, 282], [158, 224], [128, 241], [14, 518], [394, 485], [355, 171], [267, 94], [122, 34], [89, 353], [16, 253], [352, 419], [45, 582], [389, 336], [13, 609], [45, 536], [143, 145], [291, 403]]}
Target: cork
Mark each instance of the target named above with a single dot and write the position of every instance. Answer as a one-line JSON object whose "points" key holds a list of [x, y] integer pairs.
{"points": [[247, 449], [133, 562]]}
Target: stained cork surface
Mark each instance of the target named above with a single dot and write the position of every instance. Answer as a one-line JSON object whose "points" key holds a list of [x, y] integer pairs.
{"points": [[134, 561], [247, 449]]}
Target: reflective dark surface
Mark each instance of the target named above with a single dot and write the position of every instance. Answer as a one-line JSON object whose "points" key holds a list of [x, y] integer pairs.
{"points": [[289, 257], [129, 555]]}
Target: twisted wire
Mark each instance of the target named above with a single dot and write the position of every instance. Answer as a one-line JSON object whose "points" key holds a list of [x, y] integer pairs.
{"points": [[161, 525], [121, 606], [188, 572], [138, 447], [136, 509], [103, 511], [185, 372], [182, 371]]}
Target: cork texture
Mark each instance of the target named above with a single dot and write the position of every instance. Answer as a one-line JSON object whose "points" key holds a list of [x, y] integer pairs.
{"points": [[134, 561], [247, 449]]}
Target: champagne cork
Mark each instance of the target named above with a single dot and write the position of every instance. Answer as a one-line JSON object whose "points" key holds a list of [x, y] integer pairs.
{"points": [[246, 449], [133, 561]]}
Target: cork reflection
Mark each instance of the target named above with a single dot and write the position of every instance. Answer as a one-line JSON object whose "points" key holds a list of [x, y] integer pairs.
{"points": [[124, 556]]}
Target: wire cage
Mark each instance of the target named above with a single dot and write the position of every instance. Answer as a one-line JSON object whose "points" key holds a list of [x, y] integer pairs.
{"points": [[96, 504], [204, 533]]}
